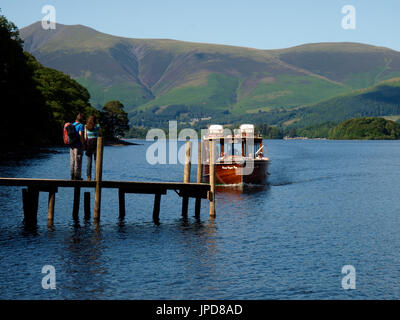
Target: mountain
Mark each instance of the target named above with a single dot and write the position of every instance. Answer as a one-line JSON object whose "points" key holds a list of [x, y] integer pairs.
{"points": [[164, 78], [351, 64]]}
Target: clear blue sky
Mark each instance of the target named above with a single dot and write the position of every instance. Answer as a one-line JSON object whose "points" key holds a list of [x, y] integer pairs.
{"points": [[263, 24]]}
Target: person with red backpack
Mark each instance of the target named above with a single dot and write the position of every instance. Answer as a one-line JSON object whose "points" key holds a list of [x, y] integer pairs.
{"points": [[74, 137]]}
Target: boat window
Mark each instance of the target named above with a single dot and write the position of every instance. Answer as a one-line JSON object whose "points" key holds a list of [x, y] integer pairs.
{"points": [[257, 147], [237, 147], [249, 152], [228, 149]]}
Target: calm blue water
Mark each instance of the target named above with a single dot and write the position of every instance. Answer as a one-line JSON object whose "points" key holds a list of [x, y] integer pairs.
{"points": [[329, 204]]}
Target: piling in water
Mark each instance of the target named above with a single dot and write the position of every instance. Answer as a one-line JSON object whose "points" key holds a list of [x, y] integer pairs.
{"points": [[86, 198], [211, 163], [52, 200], [77, 199], [99, 175], [199, 176], [186, 176]]}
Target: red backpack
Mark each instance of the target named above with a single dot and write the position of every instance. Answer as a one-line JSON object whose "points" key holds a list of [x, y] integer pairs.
{"points": [[70, 135]]}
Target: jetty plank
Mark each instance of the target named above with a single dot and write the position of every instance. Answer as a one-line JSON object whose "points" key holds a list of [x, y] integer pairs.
{"points": [[189, 189]]}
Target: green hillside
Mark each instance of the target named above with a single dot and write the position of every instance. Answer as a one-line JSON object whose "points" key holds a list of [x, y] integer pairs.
{"points": [[354, 65], [380, 100], [161, 79]]}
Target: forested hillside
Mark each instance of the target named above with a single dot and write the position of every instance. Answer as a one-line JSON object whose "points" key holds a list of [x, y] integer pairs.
{"points": [[36, 100]]}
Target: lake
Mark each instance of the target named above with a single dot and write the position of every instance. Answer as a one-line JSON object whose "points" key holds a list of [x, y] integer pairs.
{"points": [[328, 204]]}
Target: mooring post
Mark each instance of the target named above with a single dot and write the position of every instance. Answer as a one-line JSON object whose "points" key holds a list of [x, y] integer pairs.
{"points": [[30, 214], [30, 201], [86, 199], [52, 200], [199, 175], [156, 209], [212, 177], [35, 201], [77, 200], [186, 176], [121, 196], [25, 201], [99, 174]]}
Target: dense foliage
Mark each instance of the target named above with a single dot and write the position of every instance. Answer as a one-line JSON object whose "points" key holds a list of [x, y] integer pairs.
{"points": [[317, 131], [64, 96], [23, 107], [114, 120], [136, 132], [367, 128], [269, 132], [36, 101]]}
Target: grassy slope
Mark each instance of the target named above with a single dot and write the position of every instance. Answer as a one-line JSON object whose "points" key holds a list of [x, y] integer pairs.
{"points": [[144, 73], [353, 64], [380, 100]]}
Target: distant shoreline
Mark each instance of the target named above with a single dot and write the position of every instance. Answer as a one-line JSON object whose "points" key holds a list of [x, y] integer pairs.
{"points": [[121, 142]]}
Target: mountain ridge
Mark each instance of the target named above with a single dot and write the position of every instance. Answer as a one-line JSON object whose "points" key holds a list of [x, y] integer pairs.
{"points": [[161, 73]]}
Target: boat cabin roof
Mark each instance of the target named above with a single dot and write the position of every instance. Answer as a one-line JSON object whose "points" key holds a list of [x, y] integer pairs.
{"points": [[232, 139], [245, 131]]}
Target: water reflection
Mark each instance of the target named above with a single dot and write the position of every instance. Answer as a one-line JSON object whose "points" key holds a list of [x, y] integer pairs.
{"points": [[242, 190], [29, 228], [84, 264]]}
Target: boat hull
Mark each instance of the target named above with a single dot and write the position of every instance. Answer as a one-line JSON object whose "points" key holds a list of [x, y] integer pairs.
{"points": [[239, 173]]}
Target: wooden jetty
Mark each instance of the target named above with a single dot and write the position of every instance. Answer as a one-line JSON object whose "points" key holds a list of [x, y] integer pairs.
{"points": [[185, 189]]}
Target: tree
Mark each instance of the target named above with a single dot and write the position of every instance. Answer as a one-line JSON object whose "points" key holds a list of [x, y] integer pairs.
{"points": [[36, 101], [23, 107], [114, 120], [64, 96], [269, 132], [368, 128]]}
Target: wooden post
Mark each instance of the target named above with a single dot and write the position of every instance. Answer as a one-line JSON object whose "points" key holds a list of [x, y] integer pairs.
{"points": [[35, 201], [212, 178], [52, 199], [199, 162], [30, 200], [188, 162], [99, 174], [199, 176], [27, 205], [121, 196], [197, 207], [86, 197], [77, 200], [186, 176], [156, 209]]}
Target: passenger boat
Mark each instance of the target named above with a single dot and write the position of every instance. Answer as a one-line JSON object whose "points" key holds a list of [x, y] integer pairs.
{"points": [[240, 157]]}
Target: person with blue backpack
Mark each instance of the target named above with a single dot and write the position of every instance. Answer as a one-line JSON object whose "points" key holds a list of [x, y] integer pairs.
{"points": [[77, 146]]}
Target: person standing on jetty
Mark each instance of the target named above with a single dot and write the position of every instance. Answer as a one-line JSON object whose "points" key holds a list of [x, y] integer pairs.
{"points": [[91, 134], [76, 149]]}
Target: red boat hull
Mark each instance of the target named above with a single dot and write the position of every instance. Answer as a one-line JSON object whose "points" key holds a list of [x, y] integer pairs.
{"points": [[238, 174]]}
